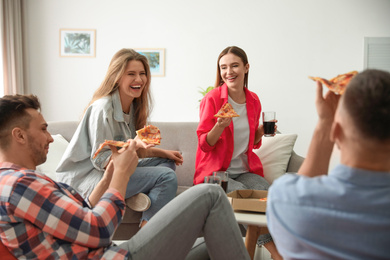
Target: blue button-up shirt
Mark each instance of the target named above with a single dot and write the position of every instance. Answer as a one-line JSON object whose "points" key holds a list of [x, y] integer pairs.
{"points": [[343, 215]]}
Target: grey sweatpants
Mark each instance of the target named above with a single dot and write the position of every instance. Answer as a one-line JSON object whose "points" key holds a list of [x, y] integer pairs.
{"points": [[201, 210]]}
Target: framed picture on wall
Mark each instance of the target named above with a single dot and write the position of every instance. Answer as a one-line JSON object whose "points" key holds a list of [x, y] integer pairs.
{"points": [[156, 58], [77, 43]]}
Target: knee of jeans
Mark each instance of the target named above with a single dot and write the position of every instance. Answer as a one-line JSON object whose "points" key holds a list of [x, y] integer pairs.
{"points": [[214, 191], [170, 177]]}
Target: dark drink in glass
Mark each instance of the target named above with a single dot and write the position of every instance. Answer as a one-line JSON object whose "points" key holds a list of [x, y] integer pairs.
{"points": [[224, 185], [269, 119], [224, 178], [269, 128]]}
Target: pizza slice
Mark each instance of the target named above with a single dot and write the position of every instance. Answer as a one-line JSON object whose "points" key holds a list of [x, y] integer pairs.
{"points": [[149, 134], [110, 142], [337, 84], [226, 111]]}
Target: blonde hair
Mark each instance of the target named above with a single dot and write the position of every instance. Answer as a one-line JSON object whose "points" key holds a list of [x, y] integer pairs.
{"points": [[116, 69]]}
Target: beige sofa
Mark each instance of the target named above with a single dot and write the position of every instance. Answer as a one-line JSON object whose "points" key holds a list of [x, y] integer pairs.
{"points": [[179, 136]]}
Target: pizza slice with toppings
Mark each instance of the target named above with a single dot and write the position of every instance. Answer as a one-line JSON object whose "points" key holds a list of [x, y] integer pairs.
{"points": [[226, 111], [149, 134], [337, 84], [110, 142]]}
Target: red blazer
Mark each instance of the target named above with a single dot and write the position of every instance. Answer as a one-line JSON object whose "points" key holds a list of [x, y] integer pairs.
{"points": [[218, 157]]}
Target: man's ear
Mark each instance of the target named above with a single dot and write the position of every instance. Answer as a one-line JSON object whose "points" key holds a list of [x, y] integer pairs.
{"points": [[336, 133], [19, 135]]}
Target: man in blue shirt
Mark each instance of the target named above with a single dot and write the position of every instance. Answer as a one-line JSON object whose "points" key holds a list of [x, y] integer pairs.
{"points": [[344, 214]]}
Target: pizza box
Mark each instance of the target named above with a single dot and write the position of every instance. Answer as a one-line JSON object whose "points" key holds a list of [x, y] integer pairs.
{"points": [[248, 200]]}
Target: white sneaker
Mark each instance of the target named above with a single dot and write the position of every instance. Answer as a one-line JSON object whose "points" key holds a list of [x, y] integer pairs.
{"points": [[139, 202]]}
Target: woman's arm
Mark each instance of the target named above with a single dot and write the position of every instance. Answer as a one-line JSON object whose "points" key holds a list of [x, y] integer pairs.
{"points": [[259, 134], [158, 152], [209, 129], [99, 129], [216, 132]]}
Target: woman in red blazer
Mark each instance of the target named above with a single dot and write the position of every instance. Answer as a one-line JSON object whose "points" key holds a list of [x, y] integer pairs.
{"points": [[226, 144]]}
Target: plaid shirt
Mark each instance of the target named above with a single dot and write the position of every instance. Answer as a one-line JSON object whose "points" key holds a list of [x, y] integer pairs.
{"points": [[42, 219]]}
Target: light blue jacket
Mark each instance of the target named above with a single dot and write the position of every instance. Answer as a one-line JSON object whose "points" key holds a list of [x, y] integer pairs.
{"points": [[103, 120]]}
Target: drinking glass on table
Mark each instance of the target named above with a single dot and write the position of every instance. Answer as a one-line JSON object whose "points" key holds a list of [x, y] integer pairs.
{"points": [[212, 179], [269, 119], [224, 178]]}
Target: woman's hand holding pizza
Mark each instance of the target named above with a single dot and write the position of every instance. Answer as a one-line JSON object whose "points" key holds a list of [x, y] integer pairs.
{"points": [[140, 144], [224, 121]]}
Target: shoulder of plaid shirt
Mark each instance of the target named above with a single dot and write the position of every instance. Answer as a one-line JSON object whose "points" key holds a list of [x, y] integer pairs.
{"points": [[40, 218]]}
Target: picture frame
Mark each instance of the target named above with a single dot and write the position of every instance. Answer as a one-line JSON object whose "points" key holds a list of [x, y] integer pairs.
{"points": [[78, 43], [156, 59]]}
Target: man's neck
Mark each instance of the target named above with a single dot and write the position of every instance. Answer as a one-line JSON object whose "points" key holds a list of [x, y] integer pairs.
{"points": [[16, 159], [374, 158]]}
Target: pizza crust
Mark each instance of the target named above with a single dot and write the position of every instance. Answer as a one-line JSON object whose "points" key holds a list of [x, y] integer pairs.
{"points": [[337, 84], [110, 142]]}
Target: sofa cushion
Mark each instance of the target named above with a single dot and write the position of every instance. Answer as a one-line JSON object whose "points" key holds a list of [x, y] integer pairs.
{"points": [[56, 150], [275, 153]]}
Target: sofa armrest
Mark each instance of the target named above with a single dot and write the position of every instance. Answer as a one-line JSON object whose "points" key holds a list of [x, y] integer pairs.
{"points": [[295, 162]]}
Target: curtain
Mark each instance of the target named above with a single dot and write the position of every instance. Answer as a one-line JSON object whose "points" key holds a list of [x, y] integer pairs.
{"points": [[12, 46]]}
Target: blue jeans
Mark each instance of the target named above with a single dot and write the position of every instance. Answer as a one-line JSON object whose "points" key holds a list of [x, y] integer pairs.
{"points": [[156, 178]]}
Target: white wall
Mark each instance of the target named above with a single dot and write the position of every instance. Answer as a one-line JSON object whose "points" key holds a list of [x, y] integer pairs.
{"points": [[286, 41]]}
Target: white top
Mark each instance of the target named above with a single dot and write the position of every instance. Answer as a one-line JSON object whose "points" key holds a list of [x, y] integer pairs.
{"points": [[239, 162]]}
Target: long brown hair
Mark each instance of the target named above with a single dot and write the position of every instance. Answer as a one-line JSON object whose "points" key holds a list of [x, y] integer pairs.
{"points": [[116, 69], [239, 53]]}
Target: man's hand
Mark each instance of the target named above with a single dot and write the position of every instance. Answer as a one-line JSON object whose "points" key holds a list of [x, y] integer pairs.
{"points": [[326, 105], [125, 160], [318, 156]]}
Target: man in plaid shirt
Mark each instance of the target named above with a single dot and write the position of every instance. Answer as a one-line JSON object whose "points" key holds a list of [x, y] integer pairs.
{"points": [[43, 219]]}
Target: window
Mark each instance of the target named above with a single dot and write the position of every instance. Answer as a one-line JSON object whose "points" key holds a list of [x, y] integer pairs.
{"points": [[377, 53]]}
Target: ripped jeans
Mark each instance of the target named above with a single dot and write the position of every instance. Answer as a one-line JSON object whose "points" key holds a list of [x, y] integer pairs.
{"points": [[156, 178]]}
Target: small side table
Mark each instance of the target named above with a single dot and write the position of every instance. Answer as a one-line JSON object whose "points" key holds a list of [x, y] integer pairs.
{"points": [[257, 225]]}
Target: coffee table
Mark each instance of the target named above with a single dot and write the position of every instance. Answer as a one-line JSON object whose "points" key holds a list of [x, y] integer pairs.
{"points": [[257, 225]]}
